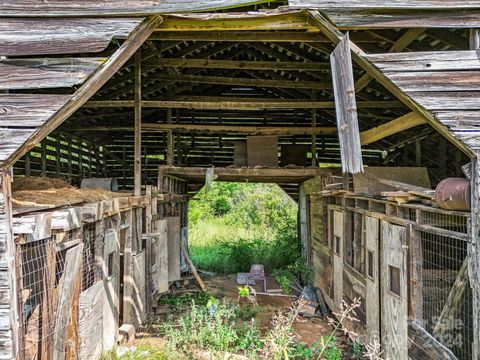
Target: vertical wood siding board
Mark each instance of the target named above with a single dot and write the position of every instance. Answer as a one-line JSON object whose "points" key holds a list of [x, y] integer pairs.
{"points": [[92, 85], [473, 256], [118, 7], [73, 260], [346, 109], [8, 338]]}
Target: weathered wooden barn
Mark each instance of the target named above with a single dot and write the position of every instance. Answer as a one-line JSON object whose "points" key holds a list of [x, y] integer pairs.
{"points": [[355, 108]]}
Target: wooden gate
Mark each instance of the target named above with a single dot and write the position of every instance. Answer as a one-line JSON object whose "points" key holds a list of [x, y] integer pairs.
{"points": [[372, 286], [337, 247], [394, 305]]}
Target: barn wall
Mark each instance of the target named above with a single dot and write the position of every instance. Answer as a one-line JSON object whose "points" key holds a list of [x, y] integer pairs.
{"points": [[360, 244], [8, 300]]}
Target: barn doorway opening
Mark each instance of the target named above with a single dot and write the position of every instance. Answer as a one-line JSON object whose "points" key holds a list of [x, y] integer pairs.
{"points": [[234, 225]]}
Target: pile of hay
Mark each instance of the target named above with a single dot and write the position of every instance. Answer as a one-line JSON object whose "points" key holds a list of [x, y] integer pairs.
{"points": [[39, 183], [41, 192]]}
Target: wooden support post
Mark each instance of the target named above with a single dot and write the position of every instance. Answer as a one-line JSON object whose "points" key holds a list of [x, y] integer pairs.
{"points": [[58, 155], [473, 256], [69, 155], [148, 210], [138, 126], [169, 139], [124, 169], [128, 269], [314, 137], [474, 39], [28, 164], [44, 158], [418, 152]]}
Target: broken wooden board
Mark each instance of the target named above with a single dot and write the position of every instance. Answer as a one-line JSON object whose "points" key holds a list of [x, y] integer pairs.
{"points": [[91, 322], [139, 293], [367, 184], [173, 248]]}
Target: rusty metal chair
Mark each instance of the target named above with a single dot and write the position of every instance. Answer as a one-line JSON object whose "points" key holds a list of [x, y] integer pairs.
{"points": [[257, 273]]}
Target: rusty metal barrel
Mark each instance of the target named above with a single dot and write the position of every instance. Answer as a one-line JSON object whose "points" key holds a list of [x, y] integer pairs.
{"points": [[453, 194]]}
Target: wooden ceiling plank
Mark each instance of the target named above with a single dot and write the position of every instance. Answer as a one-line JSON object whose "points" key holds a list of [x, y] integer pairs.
{"points": [[46, 72], [90, 87]]}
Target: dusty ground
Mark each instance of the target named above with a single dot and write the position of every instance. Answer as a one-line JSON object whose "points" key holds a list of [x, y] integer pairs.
{"points": [[307, 330]]}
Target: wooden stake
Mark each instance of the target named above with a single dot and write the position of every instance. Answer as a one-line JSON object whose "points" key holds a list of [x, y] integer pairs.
{"points": [[138, 126], [193, 268]]}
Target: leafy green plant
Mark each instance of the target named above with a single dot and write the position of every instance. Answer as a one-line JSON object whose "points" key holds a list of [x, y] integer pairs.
{"points": [[219, 332]]}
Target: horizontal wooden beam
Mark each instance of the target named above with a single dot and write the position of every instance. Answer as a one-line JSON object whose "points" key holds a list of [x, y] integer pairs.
{"points": [[221, 80], [273, 175], [236, 64], [237, 105], [384, 5], [231, 36], [221, 129], [402, 123]]}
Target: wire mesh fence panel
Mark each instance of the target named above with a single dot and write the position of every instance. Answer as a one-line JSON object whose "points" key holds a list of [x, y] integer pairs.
{"points": [[41, 267], [447, 296], [88, 258]]}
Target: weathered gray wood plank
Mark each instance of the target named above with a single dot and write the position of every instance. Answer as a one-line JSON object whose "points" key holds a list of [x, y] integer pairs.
{"points": [[90, 322], [437, 81], [427, 61], [60, 36], [382, 5], [46, 72], [173, 248], [11, 139], [365, 19], [447, 100], [73, 260], [91, 86], [116, 7], [346, 108], [25, 110]]}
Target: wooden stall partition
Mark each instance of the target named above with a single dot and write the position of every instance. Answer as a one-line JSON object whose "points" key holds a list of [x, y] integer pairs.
{"points": [[338, 238], [372, 298], [157, 263], [91, 322], [394, 312], [73, 260], [111, 281], [139, 294], [174, 252]]}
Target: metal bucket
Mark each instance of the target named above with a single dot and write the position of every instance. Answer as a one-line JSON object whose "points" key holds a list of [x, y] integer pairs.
{"points": [[109, 184], [453, 194]]}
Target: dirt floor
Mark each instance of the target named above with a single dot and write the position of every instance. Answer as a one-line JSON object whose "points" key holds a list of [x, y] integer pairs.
{"points": [[307, 330]]}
